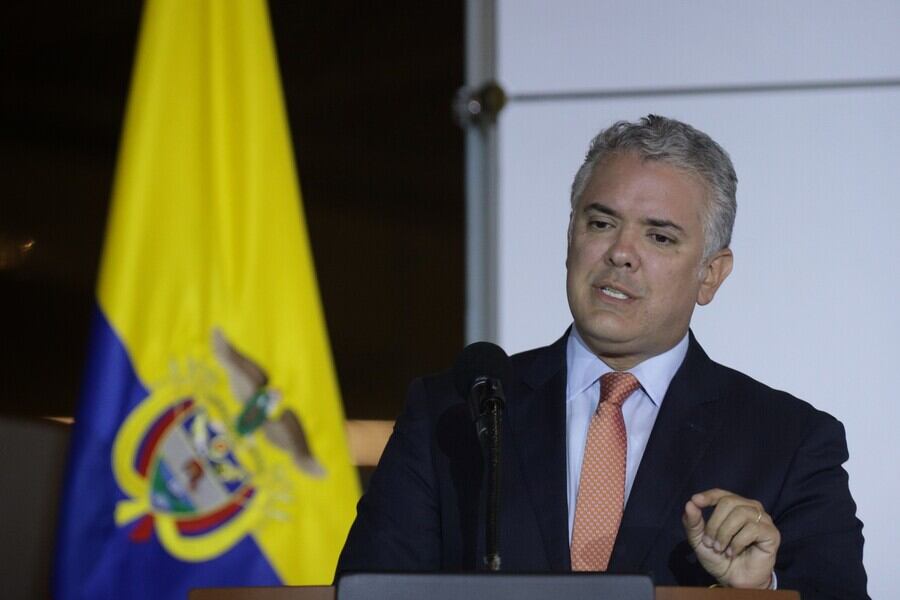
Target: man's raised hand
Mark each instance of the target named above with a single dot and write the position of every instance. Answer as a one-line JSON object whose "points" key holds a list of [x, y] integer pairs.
{"points": [[738, 544]]}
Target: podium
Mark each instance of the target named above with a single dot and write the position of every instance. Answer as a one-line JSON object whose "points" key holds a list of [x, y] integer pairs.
{"points": [[328, 593]]}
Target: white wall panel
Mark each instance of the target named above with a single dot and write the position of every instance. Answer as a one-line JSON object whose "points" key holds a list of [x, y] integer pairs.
{"points": [[570, 45], [811, 306]]}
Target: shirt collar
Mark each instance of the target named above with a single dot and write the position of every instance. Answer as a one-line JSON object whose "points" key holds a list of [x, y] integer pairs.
{"points": [[654, 374]]}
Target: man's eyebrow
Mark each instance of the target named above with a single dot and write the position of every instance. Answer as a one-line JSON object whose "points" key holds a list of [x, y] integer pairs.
{"points": [[663, 223], [602, 208]]}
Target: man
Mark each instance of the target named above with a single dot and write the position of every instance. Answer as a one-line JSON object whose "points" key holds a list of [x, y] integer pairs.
{"points": [[625, 448]]}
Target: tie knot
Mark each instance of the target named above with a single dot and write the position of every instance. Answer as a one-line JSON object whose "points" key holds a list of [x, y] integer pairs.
{"points": [[616, 386]]}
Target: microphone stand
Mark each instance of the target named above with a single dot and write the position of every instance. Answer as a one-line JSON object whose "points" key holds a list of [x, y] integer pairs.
{"points": [[486, 405]]}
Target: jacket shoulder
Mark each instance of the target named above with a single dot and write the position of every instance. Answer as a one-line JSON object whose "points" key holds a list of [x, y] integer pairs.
{"points": [[753, 395]]}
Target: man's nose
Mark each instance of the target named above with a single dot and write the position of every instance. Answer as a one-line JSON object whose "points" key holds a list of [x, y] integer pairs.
{"points": [[623, 252]]}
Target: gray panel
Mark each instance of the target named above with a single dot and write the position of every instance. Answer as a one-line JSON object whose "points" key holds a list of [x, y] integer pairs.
{"points": [[575, 45], [33, 455], [494, 587]]}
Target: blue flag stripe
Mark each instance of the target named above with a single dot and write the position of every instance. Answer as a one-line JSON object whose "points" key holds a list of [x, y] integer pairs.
{"points": [[95, 558]]}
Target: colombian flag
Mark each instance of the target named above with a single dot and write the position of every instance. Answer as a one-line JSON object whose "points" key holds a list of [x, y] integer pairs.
{"points": [[209, 447]]}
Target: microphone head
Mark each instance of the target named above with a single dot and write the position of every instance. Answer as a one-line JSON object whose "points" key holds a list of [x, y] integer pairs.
{"points": [[481, 359]]}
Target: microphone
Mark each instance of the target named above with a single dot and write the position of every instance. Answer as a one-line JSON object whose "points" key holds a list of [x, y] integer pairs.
{"points": [[480, 375]]}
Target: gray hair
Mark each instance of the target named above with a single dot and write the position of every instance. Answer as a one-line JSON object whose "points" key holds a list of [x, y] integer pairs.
{"points": [[682, 146]]}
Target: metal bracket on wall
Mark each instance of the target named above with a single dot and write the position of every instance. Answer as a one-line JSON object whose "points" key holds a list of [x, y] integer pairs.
{"points": [[479, 105]]}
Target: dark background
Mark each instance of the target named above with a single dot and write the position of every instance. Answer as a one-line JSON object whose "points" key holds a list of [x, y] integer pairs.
{"points": [[368, 88]]}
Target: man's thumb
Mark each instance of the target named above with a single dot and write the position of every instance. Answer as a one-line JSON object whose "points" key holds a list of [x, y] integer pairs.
{"points": [[692, 519]]}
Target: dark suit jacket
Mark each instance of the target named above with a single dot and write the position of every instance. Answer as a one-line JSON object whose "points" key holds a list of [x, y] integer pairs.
{"points": [[716, 428]]}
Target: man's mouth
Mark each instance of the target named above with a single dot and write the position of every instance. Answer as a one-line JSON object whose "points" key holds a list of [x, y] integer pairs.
{"points": [[614, 293]]}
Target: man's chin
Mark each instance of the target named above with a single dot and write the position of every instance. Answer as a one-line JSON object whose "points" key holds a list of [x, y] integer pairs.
{"points": [[607, 340]]}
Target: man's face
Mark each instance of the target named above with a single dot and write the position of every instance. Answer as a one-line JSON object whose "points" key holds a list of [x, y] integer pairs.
{"points": [[634, 263]]}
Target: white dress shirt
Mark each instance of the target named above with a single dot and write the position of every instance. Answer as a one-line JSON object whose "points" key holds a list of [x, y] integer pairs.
{"points": [[640, 409]]}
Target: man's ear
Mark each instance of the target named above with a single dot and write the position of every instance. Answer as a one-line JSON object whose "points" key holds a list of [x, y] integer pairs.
{"points": [[569, 235], [713, 274]]}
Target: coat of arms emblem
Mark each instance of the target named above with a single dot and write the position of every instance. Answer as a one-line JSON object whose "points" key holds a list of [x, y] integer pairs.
{"points": [[189, 461]]}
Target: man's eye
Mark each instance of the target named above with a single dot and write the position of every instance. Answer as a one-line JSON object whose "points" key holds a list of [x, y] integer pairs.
{"points": [[662, 239], [599, 224]]}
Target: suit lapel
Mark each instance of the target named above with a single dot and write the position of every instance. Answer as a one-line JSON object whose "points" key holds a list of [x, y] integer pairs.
{"points": [[537, 418], [687, 420]]}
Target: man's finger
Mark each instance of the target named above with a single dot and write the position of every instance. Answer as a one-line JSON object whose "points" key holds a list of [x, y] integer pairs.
{"points": [[728, 505], [692, 519], [738, 519], [747, 536], [725, 505], [709, 497]]}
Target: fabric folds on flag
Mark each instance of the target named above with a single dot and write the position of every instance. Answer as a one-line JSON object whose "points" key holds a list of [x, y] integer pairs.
{"points": [[209, 446]]}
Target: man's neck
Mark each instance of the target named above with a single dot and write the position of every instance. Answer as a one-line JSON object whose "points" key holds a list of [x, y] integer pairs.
{"points": [[655, 373], [623, 361]]}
